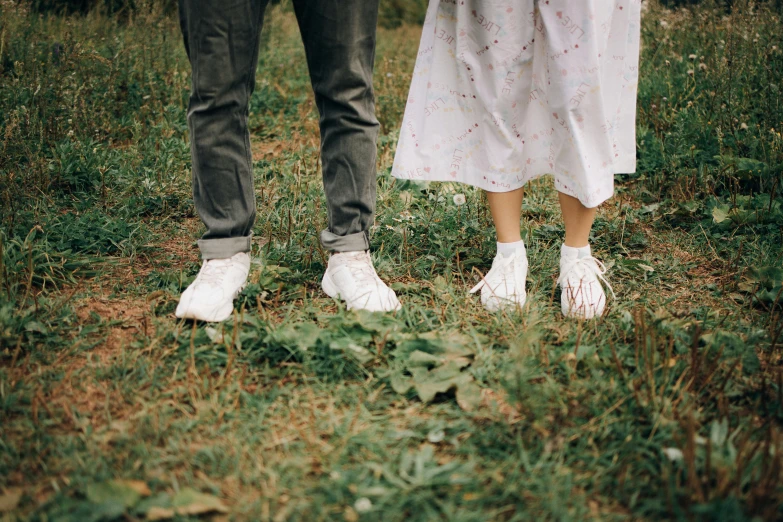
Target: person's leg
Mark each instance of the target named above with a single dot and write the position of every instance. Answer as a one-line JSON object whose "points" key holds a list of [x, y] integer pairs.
{"points": [[339, 39], [504, 285], [221, 38], [506, 209], [578, 220], [581, 275]]}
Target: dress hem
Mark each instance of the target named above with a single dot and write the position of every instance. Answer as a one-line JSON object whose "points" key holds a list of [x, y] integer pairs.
{"points": [[593, 202]]}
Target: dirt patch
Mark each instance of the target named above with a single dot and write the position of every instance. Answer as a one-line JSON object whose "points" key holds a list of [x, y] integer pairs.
{"points": [[272, 149], [130, 313], [178, 247]]}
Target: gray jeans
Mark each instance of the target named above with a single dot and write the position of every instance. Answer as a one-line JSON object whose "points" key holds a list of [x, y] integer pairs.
{"points": [[221, 38]]}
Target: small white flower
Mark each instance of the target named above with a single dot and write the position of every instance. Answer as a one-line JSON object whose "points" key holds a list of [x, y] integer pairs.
{"points": [[690, 72], [363, 505], [664, 24], [673, 454], [389, 75], [459, 199], [703, 66], [691, 56], [70, 133], [744, 126], [436, 436]]}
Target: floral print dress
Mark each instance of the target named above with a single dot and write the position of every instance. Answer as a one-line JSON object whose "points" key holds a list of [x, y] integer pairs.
{"points": [[505, 91]]}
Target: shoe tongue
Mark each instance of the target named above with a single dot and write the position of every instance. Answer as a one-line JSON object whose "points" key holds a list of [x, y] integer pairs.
{"points": [[348, 257], [219, 262]]}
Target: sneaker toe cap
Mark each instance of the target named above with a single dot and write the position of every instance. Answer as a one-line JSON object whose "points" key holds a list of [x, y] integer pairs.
{"points": [[583, 302], [205, 304], [382, 300]]}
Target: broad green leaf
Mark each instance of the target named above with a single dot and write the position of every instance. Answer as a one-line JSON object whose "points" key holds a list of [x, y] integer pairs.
{"points": [[720, 214], [302, 336], [125, 492], [440, 380], [188, 501], [452, 344], [158, 501], [109, 510], [346, 344], [469, 395], [35, 326], [750, 165], [419, 358], [401, 383]]}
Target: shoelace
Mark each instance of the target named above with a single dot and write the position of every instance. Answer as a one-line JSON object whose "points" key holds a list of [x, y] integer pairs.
{"points": [[586, 264], [501, 265], [361, 268], [213, 271]]}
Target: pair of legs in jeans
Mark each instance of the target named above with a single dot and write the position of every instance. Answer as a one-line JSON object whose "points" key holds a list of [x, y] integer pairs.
{"points": [[222, 40]]}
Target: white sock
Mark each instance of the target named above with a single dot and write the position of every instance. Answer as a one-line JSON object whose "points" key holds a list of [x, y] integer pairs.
{"points": [[575, 253], [508, 249]]}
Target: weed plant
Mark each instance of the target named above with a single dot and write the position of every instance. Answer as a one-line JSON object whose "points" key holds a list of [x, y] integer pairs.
{"points": [[667, 408]]}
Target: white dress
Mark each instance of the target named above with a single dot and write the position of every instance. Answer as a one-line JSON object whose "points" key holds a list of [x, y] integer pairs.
{"points": [[505, 91]]}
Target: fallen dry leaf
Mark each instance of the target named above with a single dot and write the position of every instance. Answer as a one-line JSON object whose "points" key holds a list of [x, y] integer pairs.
{"points": [[159, 513], [139, 486], [9, 500]]}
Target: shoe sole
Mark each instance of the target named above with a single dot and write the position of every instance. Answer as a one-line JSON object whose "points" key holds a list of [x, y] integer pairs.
{"points": [[584, 313], [330, 289], [496, 304], [217, 316]]}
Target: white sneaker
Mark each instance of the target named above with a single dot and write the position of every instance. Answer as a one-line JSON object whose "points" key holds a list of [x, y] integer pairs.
{"points": [[351, 277], [504, 284], [211, 296], [582, 294]]}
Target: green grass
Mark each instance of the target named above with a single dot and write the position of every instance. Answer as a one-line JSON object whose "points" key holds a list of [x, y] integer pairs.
{"points": [[669, 407]]}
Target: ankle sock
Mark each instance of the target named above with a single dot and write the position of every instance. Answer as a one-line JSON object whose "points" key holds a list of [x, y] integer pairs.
{"points": [[508, 249], [575, 253]]}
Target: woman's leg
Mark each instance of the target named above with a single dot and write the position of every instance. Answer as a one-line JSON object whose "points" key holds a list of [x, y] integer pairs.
{"points": [[504, 285], [578, 220], [581, 276], [506, 209]]}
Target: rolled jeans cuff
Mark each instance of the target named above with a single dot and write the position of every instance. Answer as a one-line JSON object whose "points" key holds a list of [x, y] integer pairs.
{"points": [[350, 243], [223, 247]]}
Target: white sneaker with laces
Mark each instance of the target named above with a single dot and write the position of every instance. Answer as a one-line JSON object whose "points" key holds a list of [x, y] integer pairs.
{"points": [[351, 277], [504, 285], [582, 294], [211, 296]]}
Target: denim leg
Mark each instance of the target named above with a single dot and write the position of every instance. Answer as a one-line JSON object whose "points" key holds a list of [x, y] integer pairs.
{"points": [[339, 39], [221, 38]]}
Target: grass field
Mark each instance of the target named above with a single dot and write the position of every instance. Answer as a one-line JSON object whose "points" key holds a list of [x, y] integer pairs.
{"points": [[669, 407]]}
